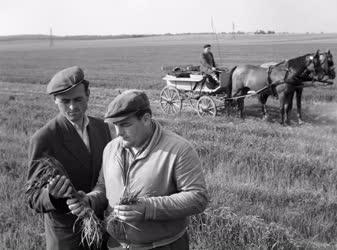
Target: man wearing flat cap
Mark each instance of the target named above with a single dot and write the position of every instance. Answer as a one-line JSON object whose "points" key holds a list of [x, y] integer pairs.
{"points": [[77, 142], [208, 65], [158, 168]]}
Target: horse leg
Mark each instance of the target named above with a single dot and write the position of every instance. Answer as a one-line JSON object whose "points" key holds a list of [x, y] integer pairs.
{"points": [[228, 106], [241, 104], [299, 105], [263, 99], [288, 106], [282, 101]]}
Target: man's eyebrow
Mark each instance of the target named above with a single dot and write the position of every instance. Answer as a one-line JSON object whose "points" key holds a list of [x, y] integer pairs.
{"points": [[122, 123]]}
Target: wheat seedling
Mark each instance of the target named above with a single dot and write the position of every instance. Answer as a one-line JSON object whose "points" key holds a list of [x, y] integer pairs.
{"points": [[90, 225], [115, 226]]}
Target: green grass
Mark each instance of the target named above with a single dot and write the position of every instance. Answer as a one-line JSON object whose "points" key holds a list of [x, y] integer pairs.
{"points": [[270, 186]]}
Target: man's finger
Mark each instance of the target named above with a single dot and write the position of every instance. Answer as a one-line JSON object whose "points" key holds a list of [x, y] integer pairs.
{"points": [[52, 183], [124, 207], [72, 201], [64, 187], [69, 192], [75, 206], [126, 218], [77, 211], [59, 184], [81, 193], [128, 213]]}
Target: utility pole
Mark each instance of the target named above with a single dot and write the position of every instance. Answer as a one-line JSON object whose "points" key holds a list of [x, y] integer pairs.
{"points": [[233, 31], [51, 41]]}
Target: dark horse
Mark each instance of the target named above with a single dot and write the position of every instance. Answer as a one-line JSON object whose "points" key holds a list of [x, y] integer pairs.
{"points": [[287, 91], [255, 78]]}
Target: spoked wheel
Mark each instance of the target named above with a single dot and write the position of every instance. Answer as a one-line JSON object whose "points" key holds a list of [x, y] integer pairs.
{"points": [[170, 101], [206, 107]]}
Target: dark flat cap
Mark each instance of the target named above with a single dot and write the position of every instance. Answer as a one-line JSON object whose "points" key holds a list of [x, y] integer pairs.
{"points": [[126, 104], [65, 80], [207, 46]]}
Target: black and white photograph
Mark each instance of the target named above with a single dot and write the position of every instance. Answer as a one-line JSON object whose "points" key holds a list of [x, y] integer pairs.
{"points": [[168, 125]]}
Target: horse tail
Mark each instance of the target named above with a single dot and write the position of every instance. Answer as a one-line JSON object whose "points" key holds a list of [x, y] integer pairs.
{"points": [[230, 84]]}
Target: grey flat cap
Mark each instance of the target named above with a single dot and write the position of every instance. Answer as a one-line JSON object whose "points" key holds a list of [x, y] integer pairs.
{"points": [[65, 80], [127, 104]]}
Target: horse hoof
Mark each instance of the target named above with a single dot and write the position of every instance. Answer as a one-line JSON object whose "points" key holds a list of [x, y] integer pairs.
{"points": [[283, 123], [300, 122], [265, 118]]}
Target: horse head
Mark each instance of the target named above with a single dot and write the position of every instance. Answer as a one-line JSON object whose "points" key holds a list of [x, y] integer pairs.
{"points": [[327, 64], [304, 68], [314, 67]]}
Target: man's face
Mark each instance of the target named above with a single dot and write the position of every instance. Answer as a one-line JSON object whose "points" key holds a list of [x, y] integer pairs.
{"points": [[133, 131], [73, 103], [208, 49]]}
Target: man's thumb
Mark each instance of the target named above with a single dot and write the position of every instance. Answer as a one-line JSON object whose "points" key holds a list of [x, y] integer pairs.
{"points": [[81, 193]]}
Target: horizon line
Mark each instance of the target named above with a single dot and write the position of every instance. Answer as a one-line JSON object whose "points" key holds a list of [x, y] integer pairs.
{"points": [[3, 37]]}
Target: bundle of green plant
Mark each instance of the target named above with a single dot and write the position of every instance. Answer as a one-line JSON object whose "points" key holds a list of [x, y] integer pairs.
{"points": [[90, 225], [115, 226]]}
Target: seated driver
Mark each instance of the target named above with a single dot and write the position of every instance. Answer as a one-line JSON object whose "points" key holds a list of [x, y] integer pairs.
{"points": [[208, 65]]}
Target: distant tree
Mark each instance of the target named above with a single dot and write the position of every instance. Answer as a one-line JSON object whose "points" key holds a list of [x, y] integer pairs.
{"points": [[271, 32], [260, 32]]}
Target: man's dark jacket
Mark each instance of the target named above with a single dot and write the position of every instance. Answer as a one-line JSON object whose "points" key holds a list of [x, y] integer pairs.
{"points": [[59, 139], [207, 62]]}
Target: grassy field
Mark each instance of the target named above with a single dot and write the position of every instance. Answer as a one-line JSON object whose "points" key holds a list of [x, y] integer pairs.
{"points": [[271, 186]]}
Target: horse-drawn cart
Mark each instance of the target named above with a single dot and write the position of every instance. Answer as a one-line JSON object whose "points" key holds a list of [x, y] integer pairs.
{"points": [[194, 91]]}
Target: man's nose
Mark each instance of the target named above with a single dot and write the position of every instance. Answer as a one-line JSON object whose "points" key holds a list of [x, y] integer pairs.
{"points": [[119, 131], [72, 105]]}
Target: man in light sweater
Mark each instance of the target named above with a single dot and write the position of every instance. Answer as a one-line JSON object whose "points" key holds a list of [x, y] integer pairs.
{"points": [[161, 168]]}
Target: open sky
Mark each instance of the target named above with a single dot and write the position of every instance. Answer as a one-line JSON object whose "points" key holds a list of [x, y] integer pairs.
{"points": [[112, 17]]}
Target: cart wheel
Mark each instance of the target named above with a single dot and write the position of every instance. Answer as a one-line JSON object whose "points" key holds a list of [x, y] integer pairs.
{"points": [[170, 101], [206, 107]]}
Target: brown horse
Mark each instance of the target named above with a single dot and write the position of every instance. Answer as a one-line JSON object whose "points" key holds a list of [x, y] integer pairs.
{"points": [[327, 63], [255, 78]]}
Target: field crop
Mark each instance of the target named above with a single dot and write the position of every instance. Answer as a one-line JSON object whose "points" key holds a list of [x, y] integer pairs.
{"points": [[271, 187]]}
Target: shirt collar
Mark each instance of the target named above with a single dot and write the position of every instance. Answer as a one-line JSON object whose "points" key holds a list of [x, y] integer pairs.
{"points": [[85, 123]]}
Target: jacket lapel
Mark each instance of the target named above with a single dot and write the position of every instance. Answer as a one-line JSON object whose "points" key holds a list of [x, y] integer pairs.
{"points": [[94, 148], [73, 142]]}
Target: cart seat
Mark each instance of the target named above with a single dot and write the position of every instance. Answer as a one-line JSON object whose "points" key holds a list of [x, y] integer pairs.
{"points": [[191, 78]]}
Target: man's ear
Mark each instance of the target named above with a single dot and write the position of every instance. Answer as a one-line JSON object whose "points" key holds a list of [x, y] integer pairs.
{"points": [[55, 100], [88, 92], [147, 118]]}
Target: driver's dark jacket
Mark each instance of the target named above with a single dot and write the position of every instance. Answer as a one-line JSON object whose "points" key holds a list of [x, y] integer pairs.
{"points": [[207, 62]]}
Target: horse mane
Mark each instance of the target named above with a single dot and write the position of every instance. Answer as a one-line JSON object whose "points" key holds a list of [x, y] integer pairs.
{"points": [[293, 62]]}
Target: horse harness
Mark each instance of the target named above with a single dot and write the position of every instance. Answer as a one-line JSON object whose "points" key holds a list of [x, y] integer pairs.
{"points": [[272, 85], [302, 77]]}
